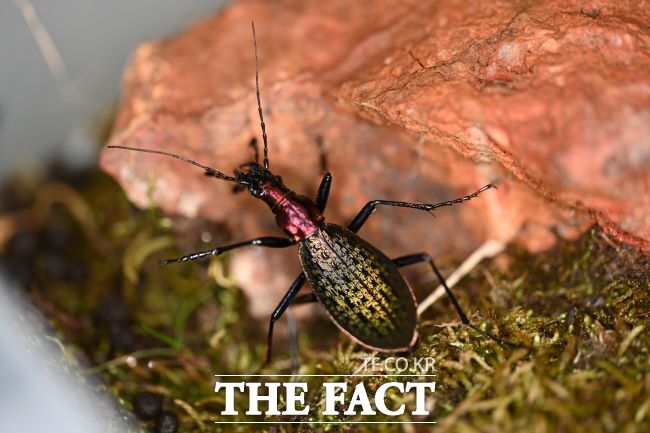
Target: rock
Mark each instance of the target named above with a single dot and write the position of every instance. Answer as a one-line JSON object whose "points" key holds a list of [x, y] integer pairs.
{"points": [[557, 93], [415, 101]]}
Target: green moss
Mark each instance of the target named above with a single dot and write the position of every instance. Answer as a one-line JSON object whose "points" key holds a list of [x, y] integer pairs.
{"points": [[578, 315]]}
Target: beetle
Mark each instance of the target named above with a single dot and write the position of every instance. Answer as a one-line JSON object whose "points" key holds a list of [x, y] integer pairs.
{"points": [[362, 290]]}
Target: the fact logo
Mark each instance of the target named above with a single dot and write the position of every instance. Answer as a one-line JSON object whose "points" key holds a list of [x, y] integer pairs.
{"points": [[361, 395], [336, 402]]}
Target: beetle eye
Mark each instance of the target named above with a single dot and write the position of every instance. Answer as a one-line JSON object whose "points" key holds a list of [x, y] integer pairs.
{"points": [[238, 188], [278, 179]]}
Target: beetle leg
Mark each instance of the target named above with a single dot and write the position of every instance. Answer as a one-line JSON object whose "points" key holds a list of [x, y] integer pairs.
{"points": [[369, 208], [323, 192], [267, 241], [280, 309], [293, 338], [412, 259], [304, 299], [256, 158], [256, 149], [424, 257], [291, 324]]}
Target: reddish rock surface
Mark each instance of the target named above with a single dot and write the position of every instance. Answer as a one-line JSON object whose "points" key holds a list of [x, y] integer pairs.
{"points": [[418, 101]]}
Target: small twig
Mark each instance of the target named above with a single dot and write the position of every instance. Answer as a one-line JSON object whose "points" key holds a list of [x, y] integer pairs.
{"points": [[489, 249], [70, 92]]}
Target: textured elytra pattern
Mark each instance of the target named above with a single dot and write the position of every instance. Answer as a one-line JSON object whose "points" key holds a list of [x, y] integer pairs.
{"points": [[360, 287]]}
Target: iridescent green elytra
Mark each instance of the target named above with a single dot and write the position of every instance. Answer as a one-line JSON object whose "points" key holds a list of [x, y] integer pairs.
{"points": [[361, 289]]}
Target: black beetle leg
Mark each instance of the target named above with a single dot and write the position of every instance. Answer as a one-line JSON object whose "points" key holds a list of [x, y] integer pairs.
{"points": [[280, 309], [424, 257], [256, 149], [323, 192], [369, 208], [293, 338], [412, 259], [268, 241], [304, 299], [291, 324]]}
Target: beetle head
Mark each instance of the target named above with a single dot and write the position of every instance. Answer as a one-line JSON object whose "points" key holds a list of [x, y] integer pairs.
{"points": [[258, 180]]}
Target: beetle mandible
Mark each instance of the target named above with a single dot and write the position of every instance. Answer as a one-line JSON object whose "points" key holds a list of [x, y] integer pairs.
{"points": [[361, 289]]}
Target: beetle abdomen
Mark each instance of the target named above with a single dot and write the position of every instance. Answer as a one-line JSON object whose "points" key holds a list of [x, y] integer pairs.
{"points": [[361, 288]]}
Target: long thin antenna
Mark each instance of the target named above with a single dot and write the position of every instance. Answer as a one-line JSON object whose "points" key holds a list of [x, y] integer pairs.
{"points": [[462, 199], [259, 102], [208, 171]]}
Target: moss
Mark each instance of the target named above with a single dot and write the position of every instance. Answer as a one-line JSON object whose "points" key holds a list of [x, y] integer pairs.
{"points": [[578, 315]]}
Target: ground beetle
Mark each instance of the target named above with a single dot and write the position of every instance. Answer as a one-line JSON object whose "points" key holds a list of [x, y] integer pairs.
{"points": [[361, 288]]}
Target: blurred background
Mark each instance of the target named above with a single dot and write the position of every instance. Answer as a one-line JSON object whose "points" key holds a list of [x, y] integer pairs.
{"points": [[61, 68], [60, 77]]}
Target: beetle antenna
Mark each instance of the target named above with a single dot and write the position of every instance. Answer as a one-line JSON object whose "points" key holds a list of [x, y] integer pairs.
{"points": [[208, 170], [462, 199], [259, 102]]}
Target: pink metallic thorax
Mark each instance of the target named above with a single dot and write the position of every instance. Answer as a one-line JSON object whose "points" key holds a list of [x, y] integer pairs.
{"points": [[295, 214]]}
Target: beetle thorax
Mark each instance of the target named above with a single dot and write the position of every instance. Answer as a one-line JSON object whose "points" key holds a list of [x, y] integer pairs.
{"points": [[295, 214]]}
